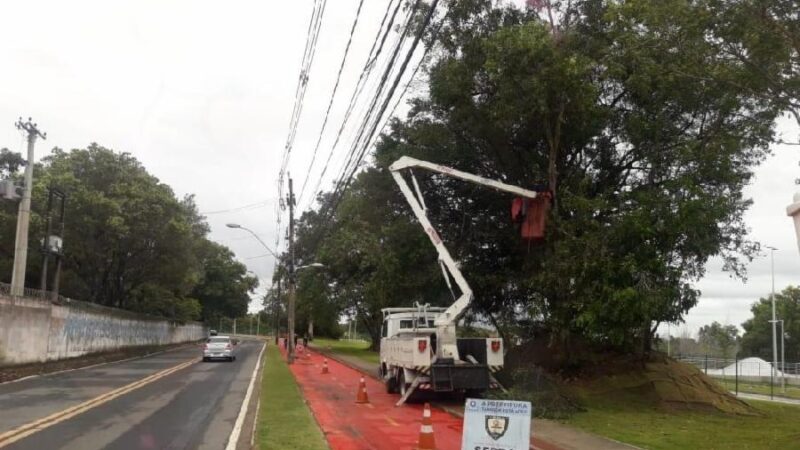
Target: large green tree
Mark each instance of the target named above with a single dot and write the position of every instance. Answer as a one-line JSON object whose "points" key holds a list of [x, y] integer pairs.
{"points": [[129, 242], [631, 113], [719, 340], [757, 337]]}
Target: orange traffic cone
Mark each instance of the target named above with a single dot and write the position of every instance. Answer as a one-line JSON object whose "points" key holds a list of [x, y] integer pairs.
{"points": [[361, 397], [426, 438], [324, 366]]}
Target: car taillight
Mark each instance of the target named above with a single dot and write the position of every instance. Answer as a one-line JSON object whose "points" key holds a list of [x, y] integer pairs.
{"points": [[205, 347], [495, 346], [422, 345], [228, 346]]}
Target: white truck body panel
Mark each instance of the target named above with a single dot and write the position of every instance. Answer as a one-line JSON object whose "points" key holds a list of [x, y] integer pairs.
{"points": [[408, 350]]}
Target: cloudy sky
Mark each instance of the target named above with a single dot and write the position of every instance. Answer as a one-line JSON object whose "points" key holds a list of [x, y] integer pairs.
{"points": [[202, 92]]}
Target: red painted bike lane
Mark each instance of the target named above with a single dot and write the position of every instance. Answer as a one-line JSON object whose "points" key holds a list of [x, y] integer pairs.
{"points": [[378, 425]]}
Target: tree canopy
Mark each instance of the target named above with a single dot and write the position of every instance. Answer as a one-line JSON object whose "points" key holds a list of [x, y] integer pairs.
{"points": [[128, 241], [757, 337], [635, 114]]}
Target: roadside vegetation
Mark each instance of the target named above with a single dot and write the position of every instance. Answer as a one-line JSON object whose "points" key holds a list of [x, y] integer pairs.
{"points": [[357, 349], [773, 426], [131, 242], [284, 420]]}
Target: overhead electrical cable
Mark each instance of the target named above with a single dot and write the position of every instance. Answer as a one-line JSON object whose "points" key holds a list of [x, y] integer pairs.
{"points": [[387, 99], [333, 96], [369, 64]]}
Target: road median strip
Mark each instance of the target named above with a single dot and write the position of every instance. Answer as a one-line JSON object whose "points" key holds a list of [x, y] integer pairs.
{"points": [[30, 428]]}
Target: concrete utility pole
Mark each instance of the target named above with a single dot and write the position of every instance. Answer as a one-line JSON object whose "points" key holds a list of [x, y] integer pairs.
{"points": [[24, 216], [290, 201]]}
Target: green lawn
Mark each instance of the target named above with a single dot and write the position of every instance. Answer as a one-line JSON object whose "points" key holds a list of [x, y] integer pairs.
{"points": [[358, 349], [655, 429], [764, 389], [284, 420]]}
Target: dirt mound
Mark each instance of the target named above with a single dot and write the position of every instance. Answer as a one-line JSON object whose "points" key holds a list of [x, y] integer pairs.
{"points": [[662, 382], [588, 376]]}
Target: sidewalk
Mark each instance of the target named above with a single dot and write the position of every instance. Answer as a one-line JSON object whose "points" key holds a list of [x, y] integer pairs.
{"points": [[766, 398], [547, 434]]}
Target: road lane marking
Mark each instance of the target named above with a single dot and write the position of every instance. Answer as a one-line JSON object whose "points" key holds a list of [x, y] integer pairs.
{"points": [[233, 439], [391, 421], [23, 431]]}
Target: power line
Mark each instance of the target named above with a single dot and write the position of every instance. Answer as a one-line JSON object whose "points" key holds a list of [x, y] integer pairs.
{"points": [[239, 208], [355, 155], [345, 182], [333, 96], [312, 37], [369, 64]]}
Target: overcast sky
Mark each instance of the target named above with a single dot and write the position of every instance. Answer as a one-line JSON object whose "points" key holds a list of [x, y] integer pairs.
{"points": [[201, 92]]}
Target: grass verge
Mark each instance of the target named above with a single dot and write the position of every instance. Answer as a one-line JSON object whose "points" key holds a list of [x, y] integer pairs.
{"points": [[654, 428], [763, 389], [358, 349], [284, 420]]}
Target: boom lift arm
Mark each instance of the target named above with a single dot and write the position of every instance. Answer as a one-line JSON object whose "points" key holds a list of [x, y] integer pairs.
{"points": [[446, 323]]}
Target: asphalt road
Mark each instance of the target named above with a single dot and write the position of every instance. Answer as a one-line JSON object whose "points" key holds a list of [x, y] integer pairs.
{"points": [[192, 406]]}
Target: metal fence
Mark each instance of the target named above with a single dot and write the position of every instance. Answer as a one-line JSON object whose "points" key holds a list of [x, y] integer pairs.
{"points": [[750, 375], [744, 367]]}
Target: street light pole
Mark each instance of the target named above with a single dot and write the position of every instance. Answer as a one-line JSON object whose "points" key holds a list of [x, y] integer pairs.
{"points": [[774, 319], [24, 215]]}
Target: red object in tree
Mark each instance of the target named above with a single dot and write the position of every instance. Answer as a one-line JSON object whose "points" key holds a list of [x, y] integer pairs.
{"points": [[518, 210], [532, 214]]}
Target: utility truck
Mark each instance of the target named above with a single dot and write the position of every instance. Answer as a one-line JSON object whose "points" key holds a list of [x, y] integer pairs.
{"points": [[420, 347]]}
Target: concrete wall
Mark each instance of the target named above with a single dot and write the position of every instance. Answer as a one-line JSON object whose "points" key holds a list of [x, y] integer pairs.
{"points": [[35, 330]]}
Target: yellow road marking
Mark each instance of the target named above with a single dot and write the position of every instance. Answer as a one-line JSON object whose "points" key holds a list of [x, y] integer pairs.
{"points": [[391, 421], [28, 429]]}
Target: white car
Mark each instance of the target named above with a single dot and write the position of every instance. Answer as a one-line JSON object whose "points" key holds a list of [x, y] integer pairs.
{"points": [[219, 347]]}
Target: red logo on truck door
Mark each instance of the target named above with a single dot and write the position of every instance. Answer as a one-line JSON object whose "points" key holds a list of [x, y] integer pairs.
{"points": [[495, 346], [422, 345]]}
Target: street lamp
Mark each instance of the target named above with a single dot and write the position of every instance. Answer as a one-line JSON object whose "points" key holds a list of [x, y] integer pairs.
{"points": [[237, 226], [277, 258], [773, 321]]}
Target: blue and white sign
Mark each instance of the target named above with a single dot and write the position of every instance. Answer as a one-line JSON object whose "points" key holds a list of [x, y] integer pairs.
{"points": [[496, 425]]}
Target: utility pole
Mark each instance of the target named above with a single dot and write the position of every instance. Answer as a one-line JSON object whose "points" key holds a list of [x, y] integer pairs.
{"points": [[258, 324], [48, 230], [290, 201], [52, 244], [277, 307], [24, 216]]}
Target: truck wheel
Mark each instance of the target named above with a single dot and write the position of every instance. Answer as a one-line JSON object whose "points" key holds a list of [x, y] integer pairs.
{"points": [[391, 385]]}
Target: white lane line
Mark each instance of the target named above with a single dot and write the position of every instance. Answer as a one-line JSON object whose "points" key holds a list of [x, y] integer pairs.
{"points": [[233, 439]]}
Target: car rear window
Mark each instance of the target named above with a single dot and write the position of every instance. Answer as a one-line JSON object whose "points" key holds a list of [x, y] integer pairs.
{"points": [[218, 340]]}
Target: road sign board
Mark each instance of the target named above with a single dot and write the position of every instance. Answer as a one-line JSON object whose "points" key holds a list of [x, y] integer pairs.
{"points": [[496, 425]]}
